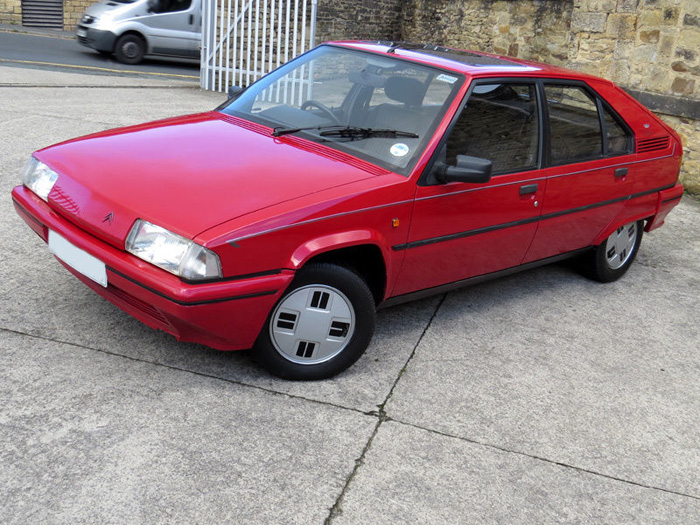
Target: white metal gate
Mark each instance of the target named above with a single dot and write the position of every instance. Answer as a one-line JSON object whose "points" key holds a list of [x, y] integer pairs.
{"points": [[243, 40]]}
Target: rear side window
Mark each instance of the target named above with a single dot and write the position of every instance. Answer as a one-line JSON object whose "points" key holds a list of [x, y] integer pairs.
{"points": [[577, 131], [499, 123]]}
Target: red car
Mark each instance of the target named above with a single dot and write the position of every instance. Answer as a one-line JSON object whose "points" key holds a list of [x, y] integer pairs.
{"points": [[357, 176]]}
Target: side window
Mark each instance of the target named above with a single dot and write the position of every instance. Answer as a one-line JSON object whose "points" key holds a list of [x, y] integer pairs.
{"points": [[499, 123], [168, 6], [574, 124]]}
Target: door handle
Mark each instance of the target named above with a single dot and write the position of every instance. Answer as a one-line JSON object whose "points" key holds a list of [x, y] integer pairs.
{"points": [[620, 172], [527, 189], [191, 19]]}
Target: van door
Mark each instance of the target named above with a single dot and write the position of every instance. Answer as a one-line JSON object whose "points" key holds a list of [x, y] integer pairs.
{"points": [[175, 27]]}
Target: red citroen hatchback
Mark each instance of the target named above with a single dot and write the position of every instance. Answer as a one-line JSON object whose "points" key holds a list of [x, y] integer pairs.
{"points": [[357, 176]]}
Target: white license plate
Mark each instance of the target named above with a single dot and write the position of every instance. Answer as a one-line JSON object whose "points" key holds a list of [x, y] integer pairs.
{"points": [[81, 32], [78, 259]]}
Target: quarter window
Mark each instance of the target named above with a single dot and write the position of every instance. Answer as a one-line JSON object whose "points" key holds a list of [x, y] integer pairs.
{"points": [[500, 123]]}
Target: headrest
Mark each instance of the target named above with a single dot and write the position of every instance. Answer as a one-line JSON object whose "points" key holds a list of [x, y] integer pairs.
{"points": [[407, 90]]}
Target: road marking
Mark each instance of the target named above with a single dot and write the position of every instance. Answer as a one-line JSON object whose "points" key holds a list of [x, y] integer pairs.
{"points": [[93, 68]]}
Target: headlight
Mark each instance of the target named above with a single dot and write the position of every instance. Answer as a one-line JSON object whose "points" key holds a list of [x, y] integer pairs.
{"points": [[39, 178], [172, 253]]}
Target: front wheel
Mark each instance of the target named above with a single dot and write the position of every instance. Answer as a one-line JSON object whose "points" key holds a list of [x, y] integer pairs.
{"points": [[612, 258], [130, 49], [322, 324]]}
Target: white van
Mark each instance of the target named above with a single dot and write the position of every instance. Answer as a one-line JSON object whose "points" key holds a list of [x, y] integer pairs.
{"points": [[132, 29]]}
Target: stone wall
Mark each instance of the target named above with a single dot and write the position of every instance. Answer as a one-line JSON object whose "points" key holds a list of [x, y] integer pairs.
{"points": [[11, 12], [72, 11], [649, 47], [358, 19]]}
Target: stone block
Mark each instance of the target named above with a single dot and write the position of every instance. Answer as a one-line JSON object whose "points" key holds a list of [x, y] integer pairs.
{"points": [[649, 18], [689, 39], [691, 20], [683, 86], [592, 22], [627, 6], [622, 25], [687, 54], [671, 16], [649, 37]]}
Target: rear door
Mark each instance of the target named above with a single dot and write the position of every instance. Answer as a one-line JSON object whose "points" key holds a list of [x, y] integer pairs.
{"points": [[589, 153], [461, 230]]}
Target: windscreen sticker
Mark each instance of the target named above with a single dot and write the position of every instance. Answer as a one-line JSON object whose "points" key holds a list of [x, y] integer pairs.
{"points": [[399, 150], [446, 78]]}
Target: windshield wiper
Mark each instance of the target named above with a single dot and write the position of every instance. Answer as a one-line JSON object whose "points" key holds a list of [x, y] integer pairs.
{"points": [[348, 132]]}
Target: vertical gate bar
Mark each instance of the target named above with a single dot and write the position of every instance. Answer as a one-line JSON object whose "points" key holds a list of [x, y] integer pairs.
{"points": [[286, 48], [228, 44], [241, 44], [263, 40], [295, 32], [234, 45], [249, 31], [212, 51], [312, 30], [257, 40], [219, 19], [204, 49]]}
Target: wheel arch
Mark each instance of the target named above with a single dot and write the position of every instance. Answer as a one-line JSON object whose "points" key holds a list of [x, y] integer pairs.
{"points": [[361, 251], [135, 32], [619, 222]]}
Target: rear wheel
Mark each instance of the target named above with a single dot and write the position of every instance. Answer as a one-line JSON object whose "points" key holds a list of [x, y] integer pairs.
{"points": [[612, 258], [322, 324], [130, 49]]}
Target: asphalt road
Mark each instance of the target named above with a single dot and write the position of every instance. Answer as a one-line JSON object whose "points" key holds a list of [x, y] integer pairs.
{"points": [[58, 50], [538, 398]]}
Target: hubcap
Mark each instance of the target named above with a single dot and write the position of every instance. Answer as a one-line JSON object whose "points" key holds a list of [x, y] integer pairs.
{"points": [[312, 324], [619, 246], [130, 49]]}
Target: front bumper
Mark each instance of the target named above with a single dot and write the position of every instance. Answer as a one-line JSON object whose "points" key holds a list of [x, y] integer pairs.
{"points": [[226, 315], [96, 38]]}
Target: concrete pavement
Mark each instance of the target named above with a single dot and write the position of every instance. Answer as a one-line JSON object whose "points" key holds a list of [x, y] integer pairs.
{"points": [[539, 398]]}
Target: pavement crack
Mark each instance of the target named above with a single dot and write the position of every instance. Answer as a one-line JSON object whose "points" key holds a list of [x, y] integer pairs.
{"points": [[382, 417], [545, 460], [193, 372]]}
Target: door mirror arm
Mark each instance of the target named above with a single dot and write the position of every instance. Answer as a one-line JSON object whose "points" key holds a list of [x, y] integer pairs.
{"points": [[468, 169]]}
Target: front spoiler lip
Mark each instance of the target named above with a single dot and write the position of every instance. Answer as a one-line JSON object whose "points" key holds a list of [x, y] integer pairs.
{"points": [[145, 275]]}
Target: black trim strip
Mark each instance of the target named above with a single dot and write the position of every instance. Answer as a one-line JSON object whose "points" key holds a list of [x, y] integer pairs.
{"points": [[22, 208], [235, 277], [529, 220], [673, 199], [190, 303], [443, 288]]}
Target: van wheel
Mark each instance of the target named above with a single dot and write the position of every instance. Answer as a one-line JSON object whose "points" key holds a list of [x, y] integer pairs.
{"points": [[129, 49], [322, 324]]}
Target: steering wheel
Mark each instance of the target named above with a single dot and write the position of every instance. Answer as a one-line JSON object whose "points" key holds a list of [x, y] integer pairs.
{"points": [[324, 109]]}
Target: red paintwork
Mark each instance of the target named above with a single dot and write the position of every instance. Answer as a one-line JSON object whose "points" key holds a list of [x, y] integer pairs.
{"points": [[268, 205]]}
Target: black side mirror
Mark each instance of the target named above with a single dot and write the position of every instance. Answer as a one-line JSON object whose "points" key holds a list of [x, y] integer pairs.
{"points": [[234, 92], [468, 169]]}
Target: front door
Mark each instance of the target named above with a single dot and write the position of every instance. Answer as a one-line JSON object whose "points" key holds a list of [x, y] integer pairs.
{"points": [[175, 27], [461, 230]]}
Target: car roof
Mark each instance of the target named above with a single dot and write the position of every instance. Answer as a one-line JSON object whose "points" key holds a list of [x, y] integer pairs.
{"points": [[472, 63]]}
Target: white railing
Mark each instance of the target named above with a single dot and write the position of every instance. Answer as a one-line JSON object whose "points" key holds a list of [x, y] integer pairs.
{"points": [[242, 40]]}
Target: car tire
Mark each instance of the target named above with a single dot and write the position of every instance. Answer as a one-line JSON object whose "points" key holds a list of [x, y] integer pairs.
{"points": [[320, 326], [610, 260], [130, 49]]}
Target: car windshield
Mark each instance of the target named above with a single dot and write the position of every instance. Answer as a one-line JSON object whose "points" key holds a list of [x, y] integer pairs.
{"points": [[377, 107]]}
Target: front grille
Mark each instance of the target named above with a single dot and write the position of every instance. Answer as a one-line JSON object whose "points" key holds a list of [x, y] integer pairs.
{"points": [[653, 144]]}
